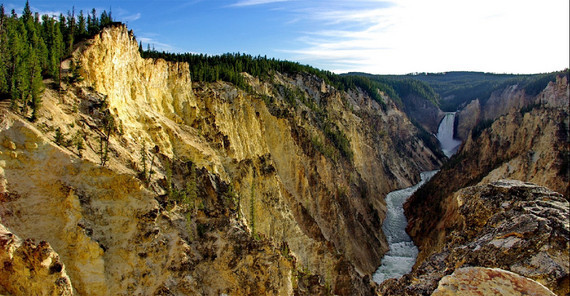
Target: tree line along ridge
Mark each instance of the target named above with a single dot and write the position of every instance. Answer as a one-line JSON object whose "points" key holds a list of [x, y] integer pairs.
{"points": [[32, 48]]}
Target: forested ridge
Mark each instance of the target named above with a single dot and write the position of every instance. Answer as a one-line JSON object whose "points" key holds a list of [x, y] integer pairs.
{"points": [[230, 66], [460, 87], [32, 48]]}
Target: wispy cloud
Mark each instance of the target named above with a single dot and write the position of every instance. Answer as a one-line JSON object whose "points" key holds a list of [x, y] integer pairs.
{"points": [[243, 3], [154, 43], [126, 15], [439, 35], [131, 17], [347, 36], [189, 3]]}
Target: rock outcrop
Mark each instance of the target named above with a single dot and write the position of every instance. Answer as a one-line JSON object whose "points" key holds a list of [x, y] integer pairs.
{"points": [[29, 268], [488, 281], [515, 226], [147, 183], [112, 235], [466, 119], [424, 112]]}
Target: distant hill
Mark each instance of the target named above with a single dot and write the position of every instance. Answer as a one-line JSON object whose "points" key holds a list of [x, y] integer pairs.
{"points": [[454, 89], [458, 88]]}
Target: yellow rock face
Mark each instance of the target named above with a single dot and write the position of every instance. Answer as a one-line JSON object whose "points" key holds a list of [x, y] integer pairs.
{"points": [[110, 234], [30, 269], [149, 97]]}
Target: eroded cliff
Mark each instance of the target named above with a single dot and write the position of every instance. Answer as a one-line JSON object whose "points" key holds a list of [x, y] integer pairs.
{"points": [[508, 99], [144, 182], [28, 268]]}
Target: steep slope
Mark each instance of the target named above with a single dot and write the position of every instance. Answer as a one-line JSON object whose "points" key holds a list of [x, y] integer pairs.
{"points": [[207, 188], [115, 239], [418, 99], [531, 147]]}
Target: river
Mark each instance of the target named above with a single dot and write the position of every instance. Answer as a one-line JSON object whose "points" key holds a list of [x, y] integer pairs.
{"points": [[403, 253]]}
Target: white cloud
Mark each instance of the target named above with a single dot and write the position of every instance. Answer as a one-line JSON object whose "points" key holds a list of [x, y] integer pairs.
{"points": [[441, 35], [159, 46], [255, 2], [124, 15], [131, 18], [51, 13]]}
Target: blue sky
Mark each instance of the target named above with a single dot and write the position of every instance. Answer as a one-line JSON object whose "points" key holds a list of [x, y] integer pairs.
{"points": [[383, 37]]}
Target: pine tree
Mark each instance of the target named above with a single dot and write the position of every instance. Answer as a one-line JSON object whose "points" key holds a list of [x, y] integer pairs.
{"points": [[252, 210], [81, 31], [108, 128], [35, 58], [70, 40], [105, 19], [27, 14], [19, 53], [144, 174], [63, 28], [36, 85], [3, 52], [93, 26], [54, 45]]}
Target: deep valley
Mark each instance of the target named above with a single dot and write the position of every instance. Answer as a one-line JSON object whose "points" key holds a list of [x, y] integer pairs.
{"points": [[139, 174]]}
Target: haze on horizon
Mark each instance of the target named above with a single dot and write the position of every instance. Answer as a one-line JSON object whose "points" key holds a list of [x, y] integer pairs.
{"points": [[380, 37]]}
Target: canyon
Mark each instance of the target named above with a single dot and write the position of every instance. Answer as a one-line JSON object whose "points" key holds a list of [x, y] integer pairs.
{"points": [[463, 223], [207, 189], [137, 180]]}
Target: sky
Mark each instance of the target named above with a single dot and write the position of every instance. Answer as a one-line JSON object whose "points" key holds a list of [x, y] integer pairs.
{"points": [[379, 37]]}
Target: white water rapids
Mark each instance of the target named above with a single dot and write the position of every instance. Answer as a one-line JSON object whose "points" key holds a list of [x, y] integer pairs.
{"points": [[402, 254]]}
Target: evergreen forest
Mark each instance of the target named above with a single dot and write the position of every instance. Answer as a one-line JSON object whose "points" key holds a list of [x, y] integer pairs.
{"points": [[32, 48], [230, 66], [458, 88]]}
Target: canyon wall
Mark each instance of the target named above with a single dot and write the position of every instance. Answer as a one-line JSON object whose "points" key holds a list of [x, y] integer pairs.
{"points": [[205, 188], [508, 99], [424, 112]]}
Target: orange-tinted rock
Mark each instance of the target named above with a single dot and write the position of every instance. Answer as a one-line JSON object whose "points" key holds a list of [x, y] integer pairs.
{"points": [[488, 281], [28, 268]]}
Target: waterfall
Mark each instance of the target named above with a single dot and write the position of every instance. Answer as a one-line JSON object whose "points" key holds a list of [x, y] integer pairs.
{"points": [[403, 253], [449, 145]]}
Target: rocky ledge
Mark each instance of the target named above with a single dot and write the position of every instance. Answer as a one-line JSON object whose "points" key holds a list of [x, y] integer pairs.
{"points": [[512, 225], [488, 281]]}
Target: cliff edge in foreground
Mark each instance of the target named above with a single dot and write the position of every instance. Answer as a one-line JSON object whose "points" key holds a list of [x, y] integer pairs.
{"points": [[512, 225]]}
